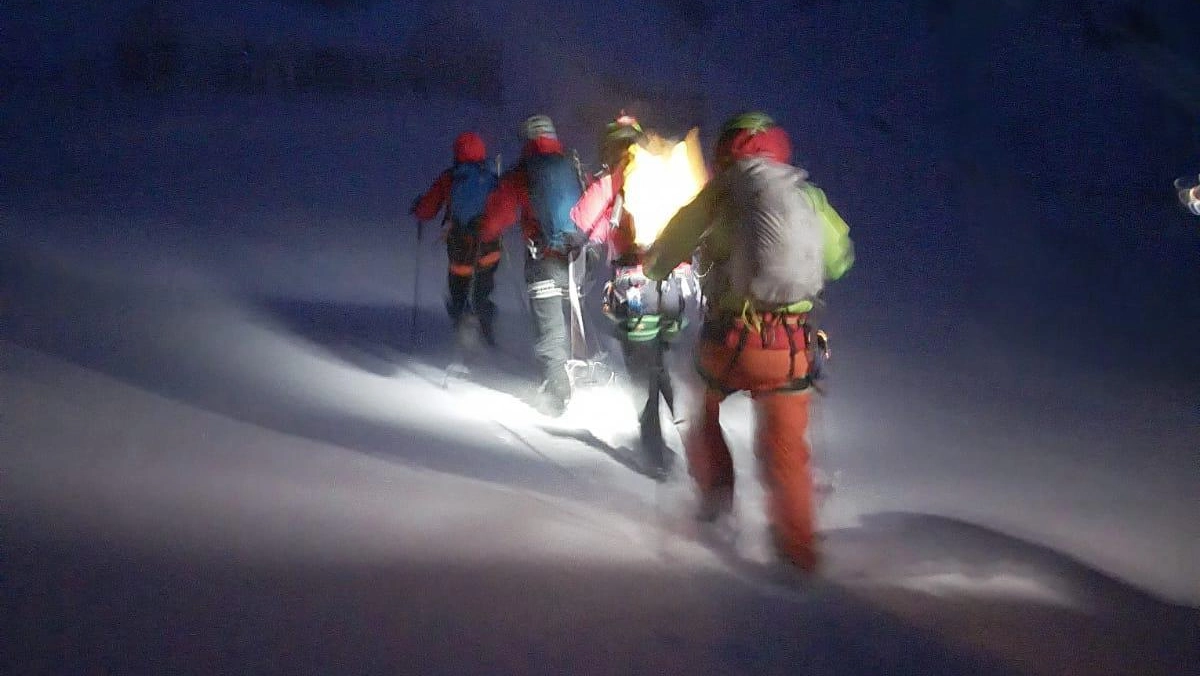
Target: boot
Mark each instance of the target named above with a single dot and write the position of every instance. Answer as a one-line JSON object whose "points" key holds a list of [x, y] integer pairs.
{"points": [[715, 503], [802, 556], [467, 332], [485, 330], [659, 458], [554, 395]]}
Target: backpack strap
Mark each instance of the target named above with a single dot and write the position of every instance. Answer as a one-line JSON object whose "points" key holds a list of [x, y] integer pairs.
{"points": [[718, 383], [793, 324]]}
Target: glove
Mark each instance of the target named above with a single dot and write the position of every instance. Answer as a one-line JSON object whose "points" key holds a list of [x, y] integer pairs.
{"points": [[597, 255]]}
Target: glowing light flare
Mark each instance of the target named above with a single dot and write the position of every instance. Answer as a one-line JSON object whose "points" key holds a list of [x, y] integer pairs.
{"points": [[662, 176], [618, 423]]}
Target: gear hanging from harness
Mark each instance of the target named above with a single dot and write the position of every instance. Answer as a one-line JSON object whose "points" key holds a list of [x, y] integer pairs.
{"points": [[644, 311], [769, 331]]}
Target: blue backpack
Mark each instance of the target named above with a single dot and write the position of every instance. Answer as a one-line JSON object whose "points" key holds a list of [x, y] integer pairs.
{"points": [[469, 187], [553, 190]]}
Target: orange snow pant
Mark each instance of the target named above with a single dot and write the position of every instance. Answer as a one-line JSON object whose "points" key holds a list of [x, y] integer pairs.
{"points": [[773, 374]]}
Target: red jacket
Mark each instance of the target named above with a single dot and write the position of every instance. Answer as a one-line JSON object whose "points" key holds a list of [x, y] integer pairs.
{"points": [[511, 196]]}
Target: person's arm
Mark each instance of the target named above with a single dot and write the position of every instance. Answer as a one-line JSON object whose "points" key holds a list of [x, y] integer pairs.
{"points": [[1189, 197], [502, 206], [426, 206], [682, 234]]}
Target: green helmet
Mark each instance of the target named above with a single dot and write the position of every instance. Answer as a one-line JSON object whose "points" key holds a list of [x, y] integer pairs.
{"points": [[618, 135], [624, 124], [753, 120]]}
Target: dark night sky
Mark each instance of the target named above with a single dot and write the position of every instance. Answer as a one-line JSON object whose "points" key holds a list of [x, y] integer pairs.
{"points": [[1015, 160]]}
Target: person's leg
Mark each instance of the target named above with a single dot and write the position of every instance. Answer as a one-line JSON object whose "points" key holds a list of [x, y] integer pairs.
{"points": [[456, 302], [546, 283], [783, 453], [644, 364], [481, 301], [710, 463], [780, 441], [665, 385], [458, 279], [671, 313], [649, 419]]}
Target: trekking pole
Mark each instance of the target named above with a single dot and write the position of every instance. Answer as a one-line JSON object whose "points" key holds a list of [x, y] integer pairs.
{"points": [[412, 333]]}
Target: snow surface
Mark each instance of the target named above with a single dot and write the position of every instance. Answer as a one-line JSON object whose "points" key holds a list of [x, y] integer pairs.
{"points": [[223, 450]]}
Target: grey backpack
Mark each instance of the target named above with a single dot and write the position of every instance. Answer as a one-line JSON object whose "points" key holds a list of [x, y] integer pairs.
{"points": [[777, 253]]}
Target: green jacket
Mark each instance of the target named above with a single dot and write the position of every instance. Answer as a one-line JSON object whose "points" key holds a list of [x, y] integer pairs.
{"points": [[704, 224]]}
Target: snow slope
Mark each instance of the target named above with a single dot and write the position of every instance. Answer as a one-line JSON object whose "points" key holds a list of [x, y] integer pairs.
{"points": [[243, 475]]}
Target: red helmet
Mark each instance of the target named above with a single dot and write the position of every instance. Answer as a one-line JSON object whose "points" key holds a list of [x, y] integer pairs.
{"points": [[751, 134], [469, 147]]}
